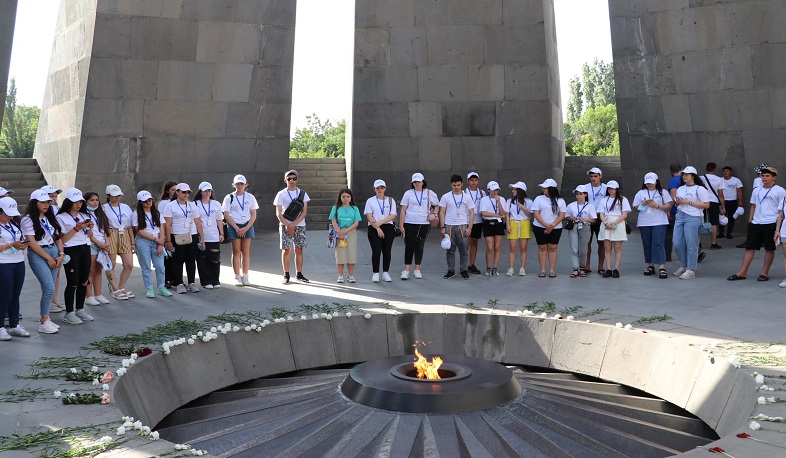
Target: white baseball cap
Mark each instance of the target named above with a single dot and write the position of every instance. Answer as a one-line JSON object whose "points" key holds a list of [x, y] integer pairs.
{"points": [[690, 169], [40, 195], [74, 195], [241, 179], [594, 170], [445, 244], [114, 190], [143, 196], [379, 183], [519, 185], [204, 186], [4, 191], [580, 188], [182, 187], [613, 185], [49, 189], [723, 220], [550, 183], [650, 178], [9, 206], [291, 172], [492, 186], [473, 174], [417, 176]]}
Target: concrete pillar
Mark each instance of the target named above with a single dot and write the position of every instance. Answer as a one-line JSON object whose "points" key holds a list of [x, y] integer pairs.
{"points": [[450, 86], [7, 21]]}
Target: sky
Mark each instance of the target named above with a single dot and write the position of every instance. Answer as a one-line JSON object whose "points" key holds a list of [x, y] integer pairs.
{"points": [[323, 51]]}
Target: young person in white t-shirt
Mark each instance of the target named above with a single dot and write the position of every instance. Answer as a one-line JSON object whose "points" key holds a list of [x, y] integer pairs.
{"points": [[714, 185], [240, 212], [12, 268], [76, 225], [474, 194], [150, 240], [182, 219], [456, 219], [209, 259], [380, 212], [613, 213], [517, 226], [653, 204], [418, 211], [492, 209], [596, 191], [167, 194], [98, 243], [292, 233], [780, 235], [53, 192], [582, 214], [120, 240], [548, 211], [691, 199], [732, 196], [766, 201]]}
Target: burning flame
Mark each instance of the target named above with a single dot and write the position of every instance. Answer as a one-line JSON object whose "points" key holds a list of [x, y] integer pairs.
{"points": [[427, 370]]}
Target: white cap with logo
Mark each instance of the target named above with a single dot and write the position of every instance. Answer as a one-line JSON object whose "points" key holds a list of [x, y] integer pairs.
{"points": [[651, 178], [143, 196], [114, 190], [492, 186], [417, 176], [690, 169], [239, 179], [379, 183], [613, 185], [473, 174], [40, 195], [205, 186], [550, 183], [9, 206], [74, 195], [182, 187], [594, 170], [580, 188], [49, 189], [4, 191], [519, 185]]}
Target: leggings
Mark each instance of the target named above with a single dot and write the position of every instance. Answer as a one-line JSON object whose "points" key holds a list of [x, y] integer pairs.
{"points": [[209, 263], [381, 247], [77, 274], [414, 241], [184, 254]]}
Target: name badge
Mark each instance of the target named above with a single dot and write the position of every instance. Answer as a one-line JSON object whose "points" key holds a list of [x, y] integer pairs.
{"points": [[420, 211], [120, 231]]}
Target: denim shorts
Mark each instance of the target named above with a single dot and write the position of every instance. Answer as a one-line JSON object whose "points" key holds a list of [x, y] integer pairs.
{"points": [[94, 249], [232, 234]]}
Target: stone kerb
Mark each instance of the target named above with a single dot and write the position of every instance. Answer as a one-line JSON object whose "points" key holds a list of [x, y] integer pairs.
{"points": [[711, 389]]}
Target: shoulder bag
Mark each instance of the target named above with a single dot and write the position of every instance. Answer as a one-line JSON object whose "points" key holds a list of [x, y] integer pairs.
{"points": [[226, 225], [295, 208], [185, 239], [396, 229]]}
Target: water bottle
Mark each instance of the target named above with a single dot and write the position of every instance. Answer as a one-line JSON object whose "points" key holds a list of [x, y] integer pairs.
{"points": [[66, 259]]}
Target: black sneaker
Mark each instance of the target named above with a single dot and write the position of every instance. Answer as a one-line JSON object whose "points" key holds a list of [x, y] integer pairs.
{"points": [[729, 236], [702, 255], [474, 270], [301, 278], [607, 274], [286, 279], [715, 246], [465, 275], [450, 274], [615, 273]]}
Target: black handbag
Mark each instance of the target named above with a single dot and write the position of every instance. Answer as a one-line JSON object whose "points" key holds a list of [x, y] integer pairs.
{"points": [[396, 229]]}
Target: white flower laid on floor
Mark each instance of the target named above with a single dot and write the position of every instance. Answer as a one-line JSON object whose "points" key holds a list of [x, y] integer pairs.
{"points": [[328, 317], [144, 431], [289, 318], [315, 316], [754, 426], [544, 315], [528, 313], [57, 394], [95, 382], [557, 316], [182, 446], [348, 314], [303, 317], [73, 370], [759, 379], [154, 435], [105, 387], [122, 371], [120, 430], [94, 369], [629, 327], [105, 440], [763, 417], [367, 316], [618, 325], [734, 360], [570, 318]]}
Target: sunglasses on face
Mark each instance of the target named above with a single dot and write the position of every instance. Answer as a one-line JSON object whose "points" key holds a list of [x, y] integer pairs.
{"points": [[291, 179], [186, 192]]}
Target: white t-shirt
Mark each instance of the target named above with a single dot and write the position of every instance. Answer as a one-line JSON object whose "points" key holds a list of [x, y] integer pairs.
{"points": [[98, 234], [162, 204], [476, 196], [211, 216], [68, 223], [456, 208], [149, 228], [119, 217], [9, 233], [183, 216], [783, 224], [693, 193], [380, 209], [284, 198], [240, 208], [488, 204], [730, 187], [587, 210], [419, 205], [768, 202], [543, 204], [715, 182], [609, 208], [757, 183], [27, 229], [652, 216], [515, 213], [595, 195]]}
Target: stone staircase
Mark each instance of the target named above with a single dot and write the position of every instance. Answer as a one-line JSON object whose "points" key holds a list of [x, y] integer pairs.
{"points": [[576, 167], [23, 176], [321, 178]]}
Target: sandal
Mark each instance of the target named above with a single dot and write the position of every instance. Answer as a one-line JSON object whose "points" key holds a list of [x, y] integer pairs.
{"points": [[601, 272], [128, 294], [663, 274], [735, 277], [542, 274], [763, 278], [650, 270], [120, 295], [588, 270], [574, 274], [552, 275], [582, 273]]}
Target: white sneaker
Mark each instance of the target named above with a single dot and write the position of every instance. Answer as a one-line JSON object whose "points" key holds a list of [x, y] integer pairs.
{"points": [[386, 277], [181, 289], [679, 271], [245, 281], [19, 331], [192, 288], [687, 275], [522, 272], [208, 286], [71, 318], [404, 275], [509, 273], [783, 283], [102, 299], [84, 316], [375, 278], [56, 308], [351, 279], [418, 275], [217, 285], [92, 301], [48, 327], [4, 334], [340, 279]]}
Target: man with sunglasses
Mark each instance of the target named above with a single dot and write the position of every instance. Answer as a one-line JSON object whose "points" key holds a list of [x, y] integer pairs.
{"points": [[292, 232]]}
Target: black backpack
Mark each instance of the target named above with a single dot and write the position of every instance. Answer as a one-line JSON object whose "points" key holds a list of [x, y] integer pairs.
{"points": [[295, 208]]}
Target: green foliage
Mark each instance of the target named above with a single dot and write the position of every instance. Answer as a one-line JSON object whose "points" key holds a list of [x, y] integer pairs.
{"points": [[598, 82], [319, 139], [594, 133], [20, 124], [575, 101]]}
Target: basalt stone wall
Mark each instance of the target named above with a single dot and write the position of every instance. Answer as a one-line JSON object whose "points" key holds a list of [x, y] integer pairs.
{"points": [[7, 21], [449, 86], [699, 81], [141, 92]]}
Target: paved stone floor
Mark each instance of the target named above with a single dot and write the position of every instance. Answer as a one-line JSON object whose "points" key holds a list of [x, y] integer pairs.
{"points": [[706, 309]]}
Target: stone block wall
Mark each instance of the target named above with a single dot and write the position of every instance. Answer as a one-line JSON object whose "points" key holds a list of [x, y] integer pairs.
{"points": [[699, 81], [450, 86], [144, 92], [7, 22]]}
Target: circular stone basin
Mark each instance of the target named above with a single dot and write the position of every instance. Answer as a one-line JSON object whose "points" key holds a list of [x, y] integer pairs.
{"points": [[468, 384]]}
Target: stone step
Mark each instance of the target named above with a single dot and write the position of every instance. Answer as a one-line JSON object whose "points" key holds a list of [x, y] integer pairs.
{"points": [[17, 161], [316, 160], [322, 182], [313, 174], [319, 167], [14, 182], [13, 167]]}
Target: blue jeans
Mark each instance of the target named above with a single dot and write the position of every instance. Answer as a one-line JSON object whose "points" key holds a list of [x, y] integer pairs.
{"points": [[653, 239], [12, 277], [579, 241], [146, 252], [686, 239], [46, 276]]}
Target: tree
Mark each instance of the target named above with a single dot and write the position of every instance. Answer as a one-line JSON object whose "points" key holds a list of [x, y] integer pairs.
{"points": [[594, 133], [575, 102], [20, 124], [598, 83], [318, 139]]}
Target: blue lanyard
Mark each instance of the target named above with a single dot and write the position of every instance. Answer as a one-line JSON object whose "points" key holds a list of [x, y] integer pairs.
{"points": [[149, 220], [478, 193], [582, 208], [46, 226], [459, 203], [608, 209], [496, 209], [766, 194], [381, 207], [297, 194], [518, 209], [243, 204], [93, 216], [186, 211], [118, 215], [599, 193], [420, 201], [10, 230], [207, 212], [649, 196]]}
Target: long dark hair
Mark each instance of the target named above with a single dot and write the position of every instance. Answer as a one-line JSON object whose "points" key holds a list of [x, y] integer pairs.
{"points": [[103, 220], [351, 198], [553, 195], [141, 221], [35, 216], [425, 185], [696, 180], [519, 196], [165, 192], [658, 188], [198, 195], [67, 205], [617, 198]]}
